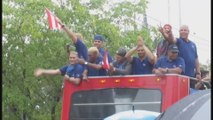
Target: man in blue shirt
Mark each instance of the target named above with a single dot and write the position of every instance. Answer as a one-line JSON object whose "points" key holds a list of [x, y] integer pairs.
{"points": [[94, 64], [77, 40], [143, 64], [72, 72], [188, 51], [120, 66], [98, 42], [170, 63]]}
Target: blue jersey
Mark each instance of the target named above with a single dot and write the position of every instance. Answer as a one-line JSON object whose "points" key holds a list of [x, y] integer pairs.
{"points": [[101, 50], [164, 62], [72, 70], [188, 51], [141, 66], [120, 65], [95, 72], [81, 49]]}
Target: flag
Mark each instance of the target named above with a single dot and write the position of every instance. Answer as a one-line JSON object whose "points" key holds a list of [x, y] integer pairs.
{"points": [[106, 61], [53, 21]]}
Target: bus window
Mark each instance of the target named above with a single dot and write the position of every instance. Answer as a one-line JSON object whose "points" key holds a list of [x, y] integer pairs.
{"points": [[98, 104]]}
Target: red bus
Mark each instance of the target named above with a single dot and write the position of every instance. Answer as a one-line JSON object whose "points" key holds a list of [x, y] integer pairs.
{"points": [[102, 96]]}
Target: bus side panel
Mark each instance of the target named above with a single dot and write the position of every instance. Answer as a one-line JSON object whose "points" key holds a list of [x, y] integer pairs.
{"points": [[175, 89]]}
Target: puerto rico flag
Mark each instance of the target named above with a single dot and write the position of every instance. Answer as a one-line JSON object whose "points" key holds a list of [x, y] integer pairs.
{"points": [[106, 61], [52, 21]]}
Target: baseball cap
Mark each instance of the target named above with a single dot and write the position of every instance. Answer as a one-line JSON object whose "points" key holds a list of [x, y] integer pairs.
{"points": [[98, 37], [173, 48], [121, 52]]}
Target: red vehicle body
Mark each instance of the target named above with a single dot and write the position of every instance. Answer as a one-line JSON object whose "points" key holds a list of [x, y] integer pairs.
{"points": [[172, 87]]}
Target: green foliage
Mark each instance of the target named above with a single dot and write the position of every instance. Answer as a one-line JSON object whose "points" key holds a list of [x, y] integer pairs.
{"points": [[96, 4]]}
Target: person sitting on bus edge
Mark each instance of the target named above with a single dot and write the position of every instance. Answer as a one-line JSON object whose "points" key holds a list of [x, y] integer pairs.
{"points": [[170, 63], [163, 45], [98, 42], [94, 63], [143, 64], [120, 66], [72, 72], [77, 40]]}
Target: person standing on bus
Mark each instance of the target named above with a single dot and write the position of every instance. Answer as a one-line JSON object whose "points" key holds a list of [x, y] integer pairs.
{"points": [[170, 63], [98, 42], [143, 64], [120, 66], [72, 72], [77, 40], [188, 51], [163, 45], [94, 63]]}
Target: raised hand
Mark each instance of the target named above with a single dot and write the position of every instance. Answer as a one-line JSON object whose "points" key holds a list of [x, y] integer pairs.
{"points": [[81, 61], [160, 28], [59, 21], [38, 72], [140, 41]]}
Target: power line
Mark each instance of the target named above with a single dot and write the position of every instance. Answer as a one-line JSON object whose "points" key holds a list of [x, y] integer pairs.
{"points": [[199, 37]]}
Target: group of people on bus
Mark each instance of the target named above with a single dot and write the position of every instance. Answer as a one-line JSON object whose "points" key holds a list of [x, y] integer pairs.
{"points": [[174, 55]]}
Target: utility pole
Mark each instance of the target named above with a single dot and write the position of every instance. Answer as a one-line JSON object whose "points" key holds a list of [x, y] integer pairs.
{"points": [[169, 11], [179, 13], [145, 23]]}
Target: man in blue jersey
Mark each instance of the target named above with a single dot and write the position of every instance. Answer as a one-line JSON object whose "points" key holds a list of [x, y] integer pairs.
{"points": [[188, 51], [170, 63], [98, 42], [120, 66], [143, 64], [72, 72], [94, 63], [77, 40]]}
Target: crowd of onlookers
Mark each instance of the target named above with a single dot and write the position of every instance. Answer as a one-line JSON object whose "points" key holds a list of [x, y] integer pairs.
{"points": [[174, 55]]}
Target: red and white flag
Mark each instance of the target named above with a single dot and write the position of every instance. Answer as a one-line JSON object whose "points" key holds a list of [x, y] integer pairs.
{"points": [[53, 21], [106, 61]]}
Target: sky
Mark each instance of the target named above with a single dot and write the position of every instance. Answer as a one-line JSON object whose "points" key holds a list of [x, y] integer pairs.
{"points": [[194, 13]]}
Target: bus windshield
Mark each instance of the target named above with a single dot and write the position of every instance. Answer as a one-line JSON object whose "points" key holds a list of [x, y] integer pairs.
{"points": [[101, 103]]}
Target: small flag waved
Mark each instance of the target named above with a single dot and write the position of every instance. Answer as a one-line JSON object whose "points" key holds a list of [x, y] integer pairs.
{"points": [[53, 21], [106, 61]]}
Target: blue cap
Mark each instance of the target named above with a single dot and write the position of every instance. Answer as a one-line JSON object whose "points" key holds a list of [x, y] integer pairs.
{"points": [[98, 37], [173, 48]]}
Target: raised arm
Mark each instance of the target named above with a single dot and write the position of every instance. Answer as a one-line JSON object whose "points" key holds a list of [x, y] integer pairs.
{"points": [[71, 34], [149, 54], [168, 35], [162, 31], [129, 54]]}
